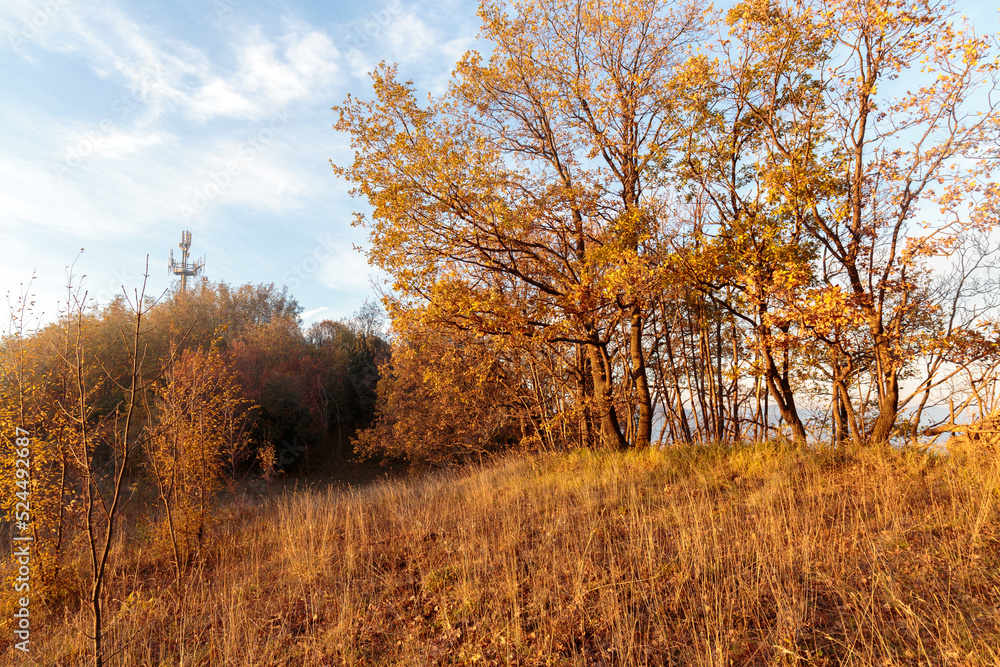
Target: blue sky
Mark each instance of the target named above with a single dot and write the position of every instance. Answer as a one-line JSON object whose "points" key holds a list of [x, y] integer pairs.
{"points": [[124, 123]]}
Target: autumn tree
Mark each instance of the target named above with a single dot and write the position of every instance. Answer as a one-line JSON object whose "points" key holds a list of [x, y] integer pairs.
{"points": [[520, 202], [81, 417], [743, 246], [30, 386], [840, 149], [198, 316], [201, 434], [446, 397], [274, 367]]}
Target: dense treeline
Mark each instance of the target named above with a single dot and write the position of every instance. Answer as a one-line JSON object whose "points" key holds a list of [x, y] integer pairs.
{"points": [[307, 390], [635, 222]]}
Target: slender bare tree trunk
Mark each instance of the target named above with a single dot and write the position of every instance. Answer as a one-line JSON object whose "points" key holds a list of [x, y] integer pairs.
{"points": [[644, 429]]}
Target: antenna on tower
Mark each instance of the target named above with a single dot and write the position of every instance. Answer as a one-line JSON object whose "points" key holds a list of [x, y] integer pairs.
{"points": [[184, 268]]}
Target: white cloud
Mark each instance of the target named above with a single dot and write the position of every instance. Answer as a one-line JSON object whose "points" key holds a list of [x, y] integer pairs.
{"points": [[32, 197], [409, 35], [268, 78], [172, 75], [124, 144], [219, 98], [130, 169], [23, 22], [124, 181], [309, 315], [406, 38]]}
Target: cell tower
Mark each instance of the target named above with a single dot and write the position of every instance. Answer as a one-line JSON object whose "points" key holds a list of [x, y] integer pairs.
{"points": [[184, 268]]}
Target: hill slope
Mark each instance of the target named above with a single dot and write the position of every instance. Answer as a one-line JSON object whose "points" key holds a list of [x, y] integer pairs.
{"points": [[756, 555]]}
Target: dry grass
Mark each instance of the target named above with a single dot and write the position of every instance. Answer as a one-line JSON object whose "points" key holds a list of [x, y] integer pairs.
{"points": [[757, 555]]}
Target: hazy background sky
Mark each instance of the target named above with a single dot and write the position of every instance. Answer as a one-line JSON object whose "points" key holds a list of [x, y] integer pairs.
{"points": [[124, 123]]}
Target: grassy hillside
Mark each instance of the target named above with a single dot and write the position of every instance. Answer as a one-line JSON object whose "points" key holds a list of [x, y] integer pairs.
{"points": [[757, 555]]}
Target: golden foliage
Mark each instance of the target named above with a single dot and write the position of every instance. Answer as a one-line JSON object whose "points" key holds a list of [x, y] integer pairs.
{"points": [[203, 427]]}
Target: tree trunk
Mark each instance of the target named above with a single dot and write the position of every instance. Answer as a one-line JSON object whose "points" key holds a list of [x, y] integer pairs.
{"points": [[98, 625], [611, 432], [888, 410], [685, 428], [644, 430], [781, 390]]}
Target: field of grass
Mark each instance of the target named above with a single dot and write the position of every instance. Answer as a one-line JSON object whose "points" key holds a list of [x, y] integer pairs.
{"points": [[749, 556]]}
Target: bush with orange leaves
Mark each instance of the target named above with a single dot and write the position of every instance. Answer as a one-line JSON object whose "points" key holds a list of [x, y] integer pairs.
{"points": [[204, 430]]}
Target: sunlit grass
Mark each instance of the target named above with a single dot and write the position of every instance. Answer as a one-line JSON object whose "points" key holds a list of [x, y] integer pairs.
{"points": [[712, 556]]}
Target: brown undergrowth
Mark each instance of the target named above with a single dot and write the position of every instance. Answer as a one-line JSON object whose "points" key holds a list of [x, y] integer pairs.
{"points": [[755, 555]]}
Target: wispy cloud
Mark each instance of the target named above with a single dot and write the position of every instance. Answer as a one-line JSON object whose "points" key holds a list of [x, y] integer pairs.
{"points": [[252, 77], [269, 77], [132, 115], [130, 168], [314, 313], [401, 34], [346, 269]]}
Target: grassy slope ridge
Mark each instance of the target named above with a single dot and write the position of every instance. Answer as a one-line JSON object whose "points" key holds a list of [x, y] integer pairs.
{"points": [[755, 555]]}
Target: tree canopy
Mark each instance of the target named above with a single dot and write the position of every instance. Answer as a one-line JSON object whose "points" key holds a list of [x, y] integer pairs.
{"points": [[692, 215]]}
